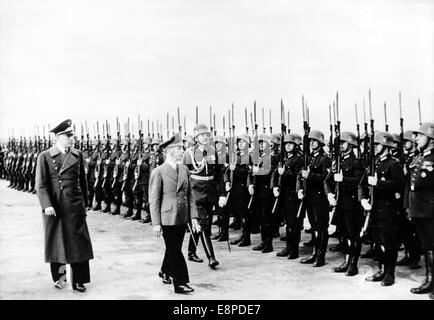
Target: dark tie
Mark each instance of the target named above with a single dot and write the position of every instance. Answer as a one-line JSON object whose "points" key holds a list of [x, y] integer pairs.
{"points": [[177, 169]]}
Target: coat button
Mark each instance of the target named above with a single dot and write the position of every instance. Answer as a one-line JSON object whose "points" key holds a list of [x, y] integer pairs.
{"points": [[61, 188]]}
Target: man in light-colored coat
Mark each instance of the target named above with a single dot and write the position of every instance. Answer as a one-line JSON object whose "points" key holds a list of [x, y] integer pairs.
{"points": [[172, 207]]}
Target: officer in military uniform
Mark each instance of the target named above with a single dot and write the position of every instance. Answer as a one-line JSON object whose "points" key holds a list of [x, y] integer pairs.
{"points": [[202, 162], [314, 197], [259, 188], [284, 180], [387, 180], [61, 189], [236, 186], [420, 200], [345, 200]]}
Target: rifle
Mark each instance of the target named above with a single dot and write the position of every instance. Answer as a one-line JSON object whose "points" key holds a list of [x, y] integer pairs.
{"points": [[118, 150], [263, 122], [288, 127], [82, 138], [106, 149], [255, 151], [365, 155], [401, 134], [371, 168], [140, 159], [282, 148], [305, 149], [358, 131], [331, 132], [211, 128], [98, 162], [185, 127], [167, 126], [245, 118], [197, 115], [179, 123], [271, 128], [386, 126], [337, 150], [232, 141], [420, 114], [125, 173]]}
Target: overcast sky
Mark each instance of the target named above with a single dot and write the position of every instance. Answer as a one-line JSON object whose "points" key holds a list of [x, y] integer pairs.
{"points": [[98, 59]]}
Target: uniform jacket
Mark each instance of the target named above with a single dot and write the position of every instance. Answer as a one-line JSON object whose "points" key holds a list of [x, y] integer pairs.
{"points": [[293, 165], [171, 201], [319, 166], [390, 182], [63, 187], [352, 171], [239, 175], [262, 181], [419, 196]]}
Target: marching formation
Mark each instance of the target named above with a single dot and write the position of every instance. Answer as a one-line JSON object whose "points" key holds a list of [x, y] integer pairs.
{"points": [[376, 187]]}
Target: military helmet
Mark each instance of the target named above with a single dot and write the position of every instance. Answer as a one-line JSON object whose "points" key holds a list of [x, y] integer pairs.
{"points": [[264, 137], [426, 128], [156, 140], [298, 138], [187, 137], [133, 141], [290, 137], [408, 135], [221, 139], [384, 138], [124, 141], [245, 137], [349, 137], [275, 138], [147, 140], [201, 128], [317, 135]]}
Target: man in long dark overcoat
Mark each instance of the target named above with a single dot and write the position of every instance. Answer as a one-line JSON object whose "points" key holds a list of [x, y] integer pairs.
{"points": [[62, 191]]}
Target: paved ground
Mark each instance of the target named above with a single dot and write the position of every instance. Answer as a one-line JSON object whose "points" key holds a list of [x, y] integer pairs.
{"points": [[128, 257]]}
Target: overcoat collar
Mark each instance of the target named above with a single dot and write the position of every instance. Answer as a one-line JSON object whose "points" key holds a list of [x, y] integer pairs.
{"points": [[70, 160]]}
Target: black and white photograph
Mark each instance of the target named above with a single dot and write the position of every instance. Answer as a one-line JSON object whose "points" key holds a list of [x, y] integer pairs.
{"points": [[215, 151]]}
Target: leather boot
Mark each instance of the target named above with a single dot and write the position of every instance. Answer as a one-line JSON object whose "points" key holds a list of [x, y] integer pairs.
{"points": [[287, 250], [129, 213], [268, 246], [218, 235], [355, 253], [237, 241], [294, 241], [107, 208], [405, 261], [322, 243], [378, 276], [209, 250], [344, 266], [390, 263], [97, 206], [117, 210], [314, 255], [259, 247], [428, 284], [137, 215]]}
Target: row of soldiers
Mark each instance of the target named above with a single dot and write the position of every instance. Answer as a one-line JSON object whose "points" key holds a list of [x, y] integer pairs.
{"points": [[377, 186]]}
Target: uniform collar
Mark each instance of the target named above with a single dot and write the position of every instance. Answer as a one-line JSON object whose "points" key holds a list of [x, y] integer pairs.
{"points": [[427, 152], [384, 157]]}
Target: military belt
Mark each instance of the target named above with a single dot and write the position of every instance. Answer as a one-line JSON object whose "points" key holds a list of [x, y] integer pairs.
{"points": [[202, 178]]}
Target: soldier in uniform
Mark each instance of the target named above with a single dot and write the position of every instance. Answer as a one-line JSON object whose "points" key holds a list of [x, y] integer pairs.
{"points": [[347, 203], [288, 202], [407, 230], [118, 174], [236, 185], [62, 192], [258, 182], [388, 179], [108, 161], [221, 211], [420, 200], [98, 174], [172, 207], [315, 199], [128, 179], [141, 183], [202, 162]]}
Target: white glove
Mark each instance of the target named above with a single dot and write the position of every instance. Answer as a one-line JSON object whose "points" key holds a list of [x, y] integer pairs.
{"points": [[331, 199], [300, 194], [305, 173], [195, 225], [157, 230], [232, 167], [251, 189], [50, 211], [276, 191], [139, 162], [228, 186], [118, 161], [87, 160], [338, 177], [281, 170], [255, 169], [372, 180], [366, 205], [222, 202]]}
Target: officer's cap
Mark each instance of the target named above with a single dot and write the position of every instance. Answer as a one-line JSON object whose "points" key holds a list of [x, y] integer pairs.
{"points": [[174, 141], [63, 127]]}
